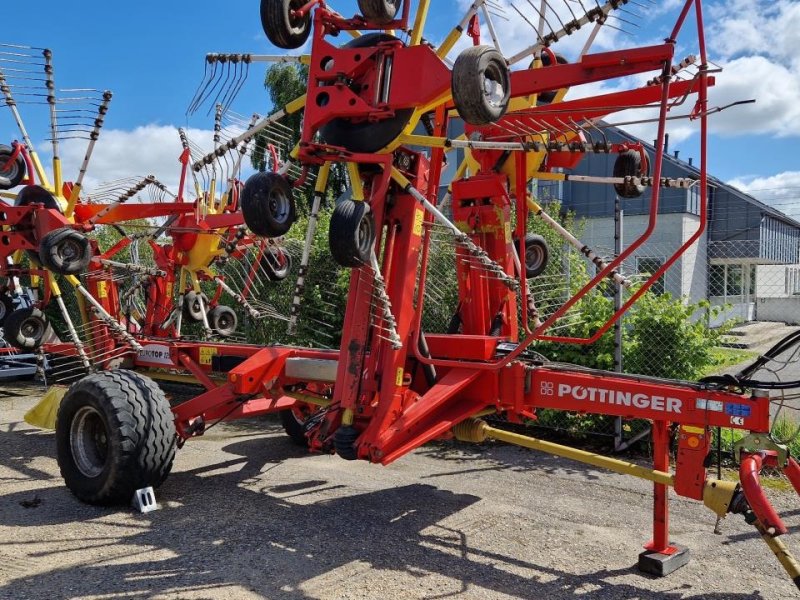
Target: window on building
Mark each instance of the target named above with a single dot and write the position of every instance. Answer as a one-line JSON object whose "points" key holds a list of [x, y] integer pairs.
{"points": [[716, 280], [792, 281], [648, 266], [734, 280]]}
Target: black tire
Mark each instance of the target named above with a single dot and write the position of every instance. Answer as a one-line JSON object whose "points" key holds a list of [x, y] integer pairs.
{"points": [[365, 136], [14, 171], [65, 251], [223, 320], [36, 194], [6, 308], [548, 97], [268, 205], [26, 328], [629, 164], [351, 235], [114, 435], [276, 263], [379, 11], [280, 27], [481, 85], [294, 426], [192, 307], [537, 255], [344, 442]]}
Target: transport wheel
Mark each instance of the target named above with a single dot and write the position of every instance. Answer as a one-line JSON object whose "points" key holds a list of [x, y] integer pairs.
{"points": [[629, 164], [379, 11], [276, 263], [352, 233], [65, 251], [537, 255], [548, 97], [114, 435], [365, 136], [26, 328], [223, 320], [192, 307], [294, 420], [36, 194], [268, 204], [281, 27], [344, 442], [481, 85], [14, 171], [6, 308]]}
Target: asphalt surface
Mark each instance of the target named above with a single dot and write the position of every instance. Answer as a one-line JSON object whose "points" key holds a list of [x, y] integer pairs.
{"points": [[245, 514]]}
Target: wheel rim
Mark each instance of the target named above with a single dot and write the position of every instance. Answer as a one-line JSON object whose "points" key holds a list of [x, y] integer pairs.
{"points": [[32, 328], [13, 169], [297, 24], [88, 439], [279, 206], [70, 251], [493, 86], [364, 236], [224, 322], [534, 255]]}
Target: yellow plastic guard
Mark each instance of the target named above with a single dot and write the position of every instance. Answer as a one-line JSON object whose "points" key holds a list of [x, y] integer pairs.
{"points": [[43, 415]]}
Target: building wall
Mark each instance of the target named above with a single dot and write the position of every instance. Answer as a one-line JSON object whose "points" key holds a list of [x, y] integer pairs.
{"points": [[785, 310]]}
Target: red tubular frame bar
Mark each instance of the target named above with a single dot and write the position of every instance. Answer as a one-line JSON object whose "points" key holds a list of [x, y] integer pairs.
{"points": [[749, 470]]}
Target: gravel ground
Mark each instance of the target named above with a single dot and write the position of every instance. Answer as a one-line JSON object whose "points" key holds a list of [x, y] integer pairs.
{"points": [[245, 514]]}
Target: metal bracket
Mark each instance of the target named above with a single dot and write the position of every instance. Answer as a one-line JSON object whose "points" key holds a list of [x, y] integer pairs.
{"points": [[755, 442]]}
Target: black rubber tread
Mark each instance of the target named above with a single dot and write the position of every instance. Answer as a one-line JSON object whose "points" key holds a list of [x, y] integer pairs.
{"points": [[469, 96], [256, 200], [365, 136], [379, 11], [548, 97], [142, 438], [192, 309], [345, 234], [217, 313], [279, 27], [6, 308], [15, 172], [13, 328], [629, 164], [36, 194], [50, 255], [293, 428], [542, 255], [277, 264], [344, 442]]}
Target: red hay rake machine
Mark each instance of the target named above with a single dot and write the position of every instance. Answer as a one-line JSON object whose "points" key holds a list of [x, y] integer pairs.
{"points": [[442, 159]]}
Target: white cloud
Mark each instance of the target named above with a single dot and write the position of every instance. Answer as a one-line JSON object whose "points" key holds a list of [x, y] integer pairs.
{"points": [[781, 190]]}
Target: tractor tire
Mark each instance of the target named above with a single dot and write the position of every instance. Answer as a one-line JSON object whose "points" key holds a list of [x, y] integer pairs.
{"points": [[351, 235], [344, 442], [481, 85], [629, 164], [294, 426], [223, 320], [365, 136], [6, 308], [26, 328], [548, 97], [277, 264], [537, 255], [192, 307], [13, 172], [65, 251], [268, 205], [379, 11], [280, 27], [114, 435]]}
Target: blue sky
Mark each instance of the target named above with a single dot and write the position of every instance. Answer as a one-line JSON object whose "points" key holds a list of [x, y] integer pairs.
{"points": [[151, 55]]}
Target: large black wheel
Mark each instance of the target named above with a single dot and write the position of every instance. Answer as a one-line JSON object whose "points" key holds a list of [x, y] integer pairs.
{"points": [[481, 85], [12, 172], [379, 11], [65, 251], [276, 263], [344, 442], [280, 25], [192, 307], [114, 435], [365, 136], [351, 235], [36, 194], [629, 164], [294, 422], [223, 320], [268, 205], [6, 308], [26, 328], [537, 255]]}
